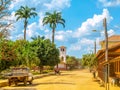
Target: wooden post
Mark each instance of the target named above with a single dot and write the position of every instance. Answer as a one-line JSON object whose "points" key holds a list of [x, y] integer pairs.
{"points": [[106, 54], [118, 66], [95, 47]]}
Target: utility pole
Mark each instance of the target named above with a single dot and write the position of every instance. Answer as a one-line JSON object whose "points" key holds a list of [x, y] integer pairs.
{"points": [[106, 56], [95, 47]]}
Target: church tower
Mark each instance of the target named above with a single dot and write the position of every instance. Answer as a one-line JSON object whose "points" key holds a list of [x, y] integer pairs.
{"points": [[62, 65], [62, 50]]}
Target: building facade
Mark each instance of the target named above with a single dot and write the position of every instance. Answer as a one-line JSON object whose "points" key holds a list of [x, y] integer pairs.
{"points": [[62, 51], [113, 58], [62, 65]]}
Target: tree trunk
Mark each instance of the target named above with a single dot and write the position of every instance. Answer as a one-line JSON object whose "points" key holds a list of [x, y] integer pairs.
{"points": [[25, 26], [41, 69], [57, 65], [53, 33]]}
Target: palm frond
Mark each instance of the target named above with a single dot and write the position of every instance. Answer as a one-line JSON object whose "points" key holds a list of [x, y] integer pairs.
{"points": [[61, 22], [24, 13], [48, 13], [53, 19], [19, 17]]}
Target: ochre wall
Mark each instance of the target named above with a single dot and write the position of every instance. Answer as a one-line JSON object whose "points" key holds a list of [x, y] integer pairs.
{"points": [[110, 44]]}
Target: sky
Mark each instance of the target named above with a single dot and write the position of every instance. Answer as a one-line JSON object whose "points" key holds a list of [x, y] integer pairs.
{"points": [[81, 16]]}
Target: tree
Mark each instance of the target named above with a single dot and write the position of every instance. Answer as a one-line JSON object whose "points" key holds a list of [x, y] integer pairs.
{"points": [[53, 19], [7, 54], [22, 47], [26, 54], [47, 53], [72, 62], [7, 50], [25, 13], [5, 23], [89, 60]]}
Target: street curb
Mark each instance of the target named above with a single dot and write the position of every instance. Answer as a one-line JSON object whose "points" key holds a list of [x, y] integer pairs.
{"points": [[5, 82]]}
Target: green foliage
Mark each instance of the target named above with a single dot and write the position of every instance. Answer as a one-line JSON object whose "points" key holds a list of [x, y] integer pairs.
{"points": [[53, 19], [39, 52], [7, 54], [7, 50], [89, 60], [25, 13], [47, 53], [21, 52], [73, 62], [25, 53]]}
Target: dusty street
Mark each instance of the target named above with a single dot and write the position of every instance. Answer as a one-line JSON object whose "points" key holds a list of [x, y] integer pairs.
{"points": [[68, 80]]}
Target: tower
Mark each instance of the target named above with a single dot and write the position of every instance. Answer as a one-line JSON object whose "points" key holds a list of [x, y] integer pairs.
{"points": [[62, 65], [62, 50]]}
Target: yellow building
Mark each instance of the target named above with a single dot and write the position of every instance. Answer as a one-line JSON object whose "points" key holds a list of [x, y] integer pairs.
{"points": [[113, 58], [113, 40]]}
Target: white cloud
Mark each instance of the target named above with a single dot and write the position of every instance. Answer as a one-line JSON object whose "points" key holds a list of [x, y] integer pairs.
{"points": [[110, 33], [48, 36], [41, 7], [110, 3], [92, 23], [63, 35], [41, 4], [31, 29], [47, 31], [20, 36], [12, 17], [8, 18], [41, 16], [75, 47], [59, 37], [57, 4], [17, 3], [98, 41], [84, 42]]}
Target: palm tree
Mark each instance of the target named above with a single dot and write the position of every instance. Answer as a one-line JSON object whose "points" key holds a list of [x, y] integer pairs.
{"points": [[53, 19], [25, 13]]}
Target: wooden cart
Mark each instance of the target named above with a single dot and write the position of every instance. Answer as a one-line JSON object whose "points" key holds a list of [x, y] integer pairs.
{"points": [[20, 75]]}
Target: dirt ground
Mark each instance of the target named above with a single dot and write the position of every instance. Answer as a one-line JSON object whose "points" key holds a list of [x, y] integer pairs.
{"points": [[68, 80]]}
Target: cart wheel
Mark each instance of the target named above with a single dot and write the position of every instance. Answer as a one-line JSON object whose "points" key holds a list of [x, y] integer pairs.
{"points": [[16, 83], [30, 82], [25, 81], [9, 82]]}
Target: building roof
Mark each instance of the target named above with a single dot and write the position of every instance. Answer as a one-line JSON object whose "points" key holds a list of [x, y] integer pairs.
{"points": [[62, 47], [113, 38], [112, 48]]}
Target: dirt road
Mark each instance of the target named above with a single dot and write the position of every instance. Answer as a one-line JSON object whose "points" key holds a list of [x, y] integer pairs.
{"points": [[68, 80]]}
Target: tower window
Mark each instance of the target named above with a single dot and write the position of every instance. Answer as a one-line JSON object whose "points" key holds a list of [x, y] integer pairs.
{"points": [[62, 49]]}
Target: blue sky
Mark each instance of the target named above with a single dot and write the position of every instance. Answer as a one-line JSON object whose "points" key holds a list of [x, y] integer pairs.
{"points": [[81, 16]]}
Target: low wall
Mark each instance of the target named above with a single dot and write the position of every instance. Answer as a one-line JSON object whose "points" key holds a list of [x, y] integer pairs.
{"points": [[3, 83]]}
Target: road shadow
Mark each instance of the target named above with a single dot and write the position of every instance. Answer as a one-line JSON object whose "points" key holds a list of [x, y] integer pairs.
{"points": [[48, 83], [66, 74], [18, 88]]}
